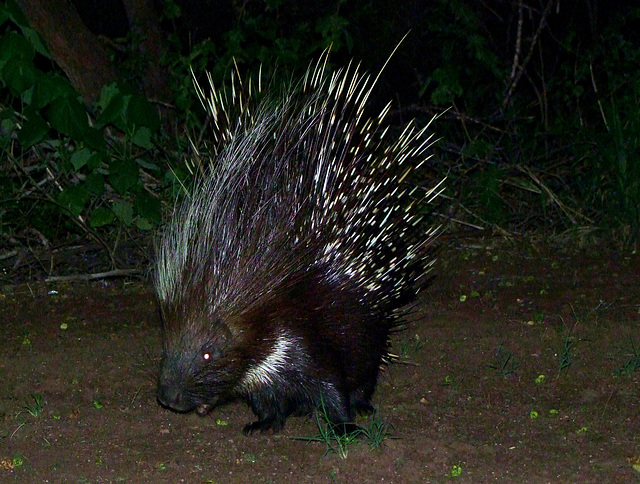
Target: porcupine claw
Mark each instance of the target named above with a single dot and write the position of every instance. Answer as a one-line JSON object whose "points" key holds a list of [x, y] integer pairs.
{"points": [[203, 409]]}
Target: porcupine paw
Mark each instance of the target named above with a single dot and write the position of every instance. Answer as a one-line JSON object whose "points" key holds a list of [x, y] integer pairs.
{"points": [[364, 408], [271, 425]]}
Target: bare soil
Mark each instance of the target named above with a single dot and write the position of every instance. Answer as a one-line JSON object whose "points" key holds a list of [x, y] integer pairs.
{"points": [[518, 365]]}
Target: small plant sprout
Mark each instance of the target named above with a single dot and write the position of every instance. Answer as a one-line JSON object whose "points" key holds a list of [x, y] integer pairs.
{"points": [[632, 359], [336, 441], [449, 381], [565, 357], [377, 431], [407, 349], [35, 409], [455, 471], [505, 364]]}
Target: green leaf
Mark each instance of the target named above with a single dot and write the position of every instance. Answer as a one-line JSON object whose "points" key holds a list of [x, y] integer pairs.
{"points": [[94, 138], [16, 14], [74, 198], [171, 10], [96, 161], [148, 165], [140, 113], [107, 93], [81, 157], [112, 107], [95, 184], [124, 212], [4, 15], [112, 92], [148, 207], [478, 148], [6, 113], [175, 180], [123, 174], [48, 87], [19, 75], [144, 224], [448, 88], [69, 116], [142, 138], [12, 10], [33, 130], [15, 46], [101, 216], [35, 39]]}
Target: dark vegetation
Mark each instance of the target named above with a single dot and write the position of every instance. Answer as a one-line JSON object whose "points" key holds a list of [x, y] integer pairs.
{"points": [[540, 131]]}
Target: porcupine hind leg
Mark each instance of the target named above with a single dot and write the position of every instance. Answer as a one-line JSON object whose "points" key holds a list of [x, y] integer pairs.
{"points": [[363, 385], [336, 408], [360, 397], [362, 405]]}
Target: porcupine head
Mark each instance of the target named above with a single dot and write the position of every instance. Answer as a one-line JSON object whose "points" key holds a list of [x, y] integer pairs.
{"points": [[282, 273]]}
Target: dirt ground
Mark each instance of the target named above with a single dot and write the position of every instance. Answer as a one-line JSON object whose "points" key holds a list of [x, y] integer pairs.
{"points": [[519, 365]]}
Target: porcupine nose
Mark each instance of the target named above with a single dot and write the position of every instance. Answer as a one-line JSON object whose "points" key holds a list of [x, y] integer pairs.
{"points": [[172, 397]]}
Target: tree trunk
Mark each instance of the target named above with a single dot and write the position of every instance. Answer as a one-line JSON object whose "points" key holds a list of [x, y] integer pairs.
{"points": [[73, 47], [150, 43]]}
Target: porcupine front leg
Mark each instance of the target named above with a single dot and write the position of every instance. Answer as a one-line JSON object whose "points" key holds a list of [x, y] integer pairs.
{"points": [[270, 410]]}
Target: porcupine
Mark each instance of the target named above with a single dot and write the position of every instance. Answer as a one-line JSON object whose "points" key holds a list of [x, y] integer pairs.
{"points": [[284, 272]]}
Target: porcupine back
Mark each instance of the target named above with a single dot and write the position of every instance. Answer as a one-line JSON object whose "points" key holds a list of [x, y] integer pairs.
{"points": [[282, 274]]}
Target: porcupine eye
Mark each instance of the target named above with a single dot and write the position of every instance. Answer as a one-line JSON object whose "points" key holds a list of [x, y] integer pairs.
{"points": [[209, 355], [213, 349]]}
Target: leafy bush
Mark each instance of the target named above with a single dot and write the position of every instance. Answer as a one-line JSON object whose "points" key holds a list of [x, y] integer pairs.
{"points": [[67, 165]]}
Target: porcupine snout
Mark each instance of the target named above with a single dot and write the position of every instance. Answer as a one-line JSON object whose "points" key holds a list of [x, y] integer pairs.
{"points": [[171, 392]]}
